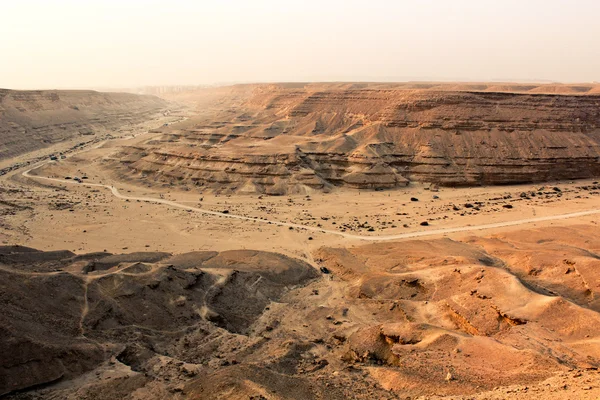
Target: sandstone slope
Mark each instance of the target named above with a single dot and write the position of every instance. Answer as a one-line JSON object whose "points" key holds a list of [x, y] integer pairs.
{"points": [[454, 318]]}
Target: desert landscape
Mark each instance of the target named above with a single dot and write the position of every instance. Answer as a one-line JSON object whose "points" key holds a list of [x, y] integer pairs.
{"points": [[416, 240]]}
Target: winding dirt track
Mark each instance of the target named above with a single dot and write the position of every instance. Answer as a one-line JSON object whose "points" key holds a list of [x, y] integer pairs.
{"points": [[373, 238]]}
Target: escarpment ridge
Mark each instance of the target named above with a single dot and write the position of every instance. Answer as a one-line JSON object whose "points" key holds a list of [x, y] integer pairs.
{"points": [[36, 119], [292, 138]]}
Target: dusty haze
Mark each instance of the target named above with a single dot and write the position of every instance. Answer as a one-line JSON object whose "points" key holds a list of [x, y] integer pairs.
{"points": [[74, 44]]}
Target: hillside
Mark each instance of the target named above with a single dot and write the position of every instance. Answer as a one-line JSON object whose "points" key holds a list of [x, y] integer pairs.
{"points": [[280, 138], [31, 120], [387, 320]]}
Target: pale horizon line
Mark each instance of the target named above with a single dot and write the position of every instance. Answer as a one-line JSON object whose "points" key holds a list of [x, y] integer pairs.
{"points": [[308, 81]]}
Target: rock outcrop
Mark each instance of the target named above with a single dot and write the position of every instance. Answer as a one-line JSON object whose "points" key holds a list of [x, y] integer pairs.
{"points": [[420, 318], [63, 315]]}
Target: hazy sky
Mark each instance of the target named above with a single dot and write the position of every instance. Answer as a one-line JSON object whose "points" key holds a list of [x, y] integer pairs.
{"points": [[124, 43]]}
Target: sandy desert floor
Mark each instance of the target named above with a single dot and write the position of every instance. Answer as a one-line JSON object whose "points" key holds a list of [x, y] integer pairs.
{"points": [[87, 216]]}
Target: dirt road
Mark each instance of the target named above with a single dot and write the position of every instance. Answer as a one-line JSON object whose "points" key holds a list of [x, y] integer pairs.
{"points": [[374, 238]]}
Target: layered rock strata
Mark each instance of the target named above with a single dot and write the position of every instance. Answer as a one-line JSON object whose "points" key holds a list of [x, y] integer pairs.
{"points": [[286, 139]]}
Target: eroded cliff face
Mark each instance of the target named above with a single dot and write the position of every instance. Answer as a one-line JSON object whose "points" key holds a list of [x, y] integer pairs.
{"points": [[291, 138], [35, 119]]}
